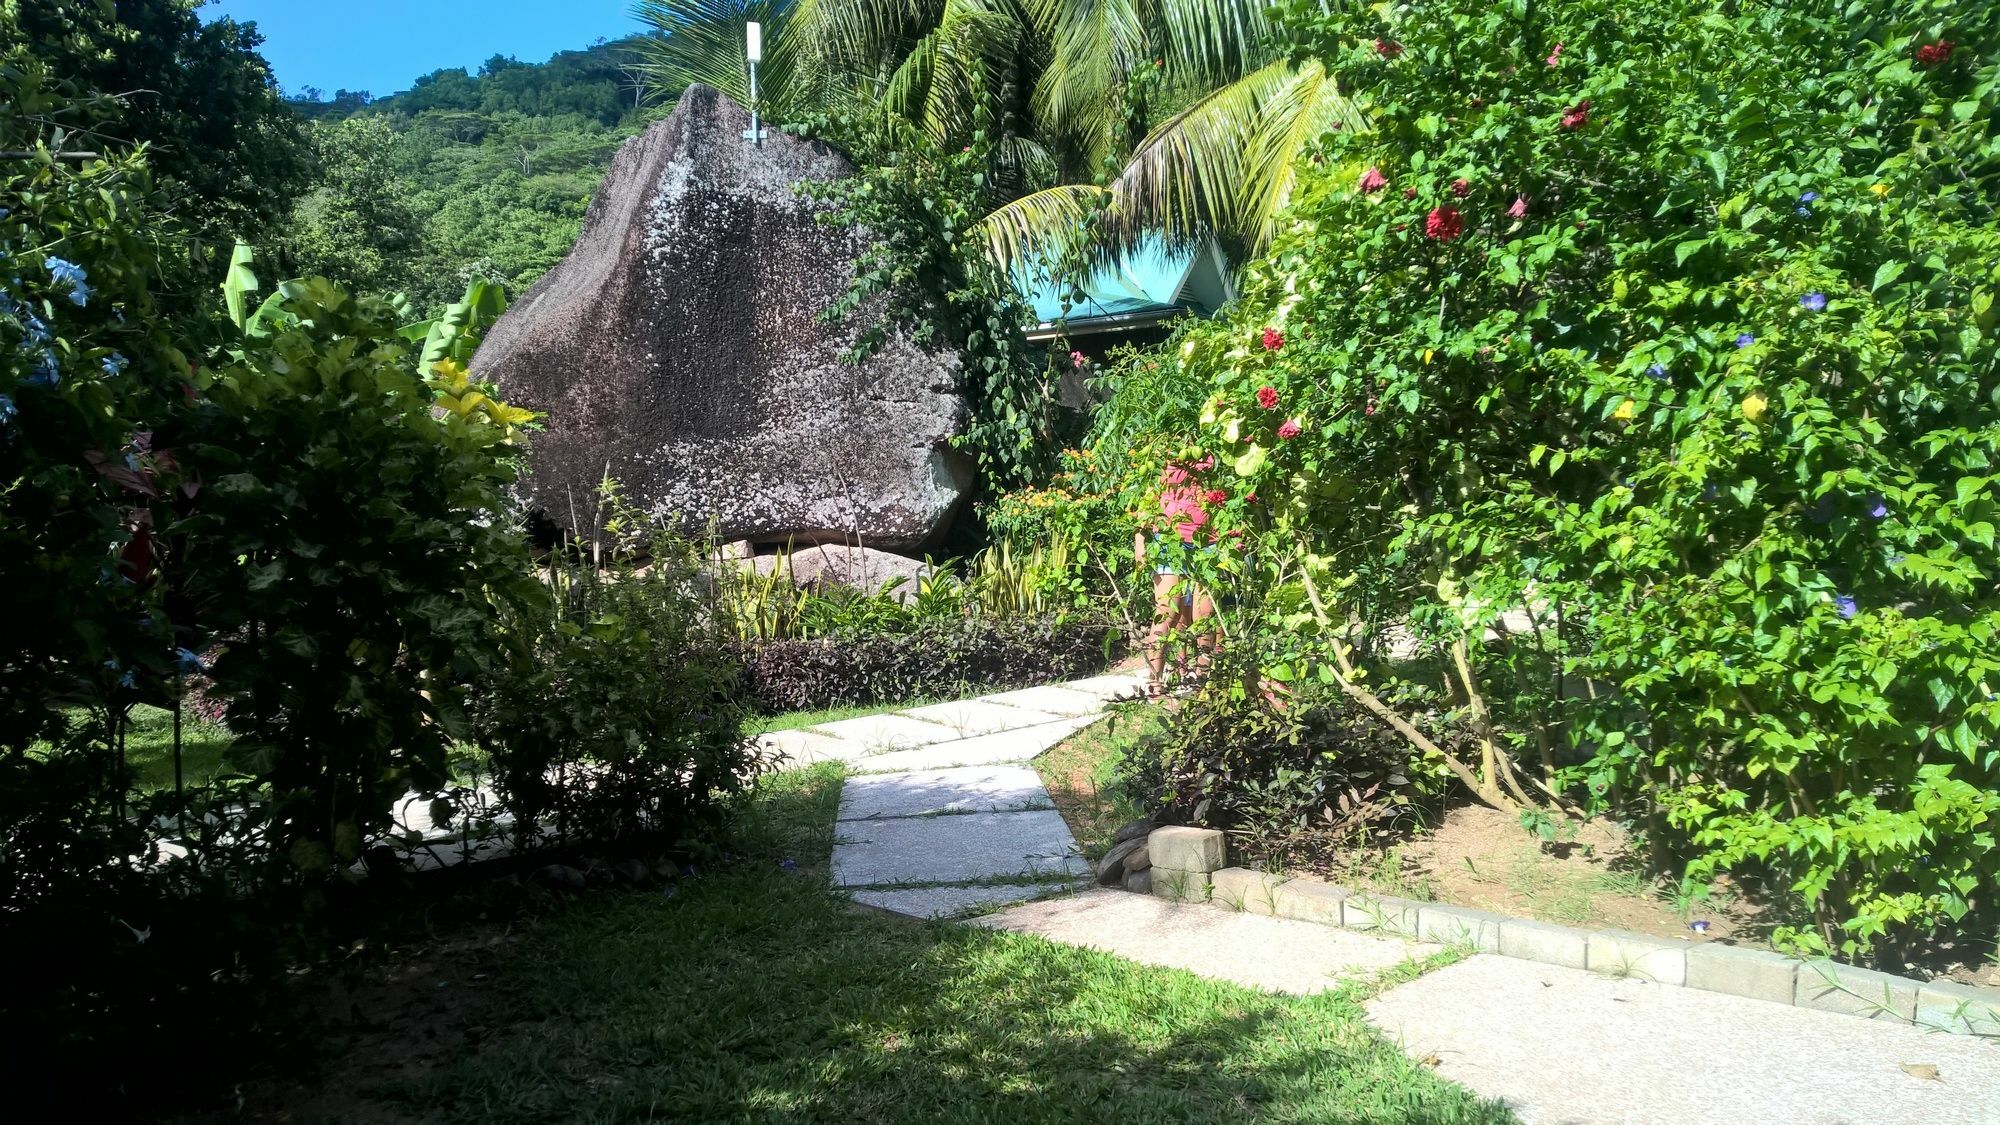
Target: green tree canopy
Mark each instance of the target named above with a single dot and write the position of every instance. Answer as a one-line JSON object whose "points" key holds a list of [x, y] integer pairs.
{"points": [[225, 149]]}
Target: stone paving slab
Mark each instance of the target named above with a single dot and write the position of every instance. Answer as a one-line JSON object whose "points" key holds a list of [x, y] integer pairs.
{"points": [[877, 734], [1274, 954], [954, 849], [969, 789], [804, 747], [1115, 685], [949, 902], [1563, 1046], [1056, 699], [970, 718], [988, 749]]}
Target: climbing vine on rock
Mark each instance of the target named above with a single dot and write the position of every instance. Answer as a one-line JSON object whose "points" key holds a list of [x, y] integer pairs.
{"points": [[928, 275]]}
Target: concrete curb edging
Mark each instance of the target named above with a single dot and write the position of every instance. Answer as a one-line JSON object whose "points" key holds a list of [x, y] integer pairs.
{"points": [[1194, 868]]}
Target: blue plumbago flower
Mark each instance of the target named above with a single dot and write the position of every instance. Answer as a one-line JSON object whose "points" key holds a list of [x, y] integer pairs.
{"points": [[70, 274], [1813, 302], [1710, 492], [37, 331], [788, 864], [65, 272], [1844, 604], [1658, 371], [7, 410], [1803, 212], [1809, 197], [1745, 339], [4, 212], [47, 371], [1878, 508], [114, 364], [1699, 926], [187, 660], [128, 680]]}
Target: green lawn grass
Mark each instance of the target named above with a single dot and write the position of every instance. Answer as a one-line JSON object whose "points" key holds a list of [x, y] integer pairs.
{"points": [[755, 993], [1080, 772]]}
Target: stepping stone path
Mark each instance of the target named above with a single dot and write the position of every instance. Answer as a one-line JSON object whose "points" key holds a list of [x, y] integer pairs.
{"points": [[940, 814]]}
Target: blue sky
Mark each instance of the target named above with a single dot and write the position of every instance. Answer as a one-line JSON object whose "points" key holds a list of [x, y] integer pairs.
{"points": [[383, 46]]}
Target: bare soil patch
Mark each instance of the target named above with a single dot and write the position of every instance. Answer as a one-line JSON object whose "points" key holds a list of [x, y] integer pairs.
{"points": [[1589, 875]]}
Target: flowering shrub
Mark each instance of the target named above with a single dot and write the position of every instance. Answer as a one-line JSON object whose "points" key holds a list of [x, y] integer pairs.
{"points": [[1663, 420]]}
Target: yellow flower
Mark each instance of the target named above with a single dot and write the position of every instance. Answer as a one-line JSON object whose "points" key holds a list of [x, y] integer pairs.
{"points": [[1626, 411], [1754, 407], [1428, 353], [1880, 189]]}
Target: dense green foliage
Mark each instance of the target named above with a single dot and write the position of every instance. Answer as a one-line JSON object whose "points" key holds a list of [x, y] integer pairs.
{"points": [[302, 506], [462, 176], [1642, 364], [618, 724], [346, 546], [225, 150]]}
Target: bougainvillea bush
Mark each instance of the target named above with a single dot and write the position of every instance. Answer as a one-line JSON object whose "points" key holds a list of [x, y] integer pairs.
{"points": [[1639, 365]]}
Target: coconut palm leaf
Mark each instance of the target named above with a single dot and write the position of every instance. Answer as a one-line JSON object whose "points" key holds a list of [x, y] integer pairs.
{"points": [[1040, 229], [1227, 162]]}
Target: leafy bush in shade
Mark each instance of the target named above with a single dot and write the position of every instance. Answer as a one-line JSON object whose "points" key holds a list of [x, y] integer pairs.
{"points": [[944, 658], [618, 720], [1287, 773]]}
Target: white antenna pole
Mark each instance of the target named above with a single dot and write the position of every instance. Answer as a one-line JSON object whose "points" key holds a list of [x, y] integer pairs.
{"points": [[753, 42]]}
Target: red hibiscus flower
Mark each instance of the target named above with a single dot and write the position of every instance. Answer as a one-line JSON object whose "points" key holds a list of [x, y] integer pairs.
{"points": [[1444, 224], [1372, 181], [1289, 430], [1267, 397], [1933, 54], [1577, 116], [1273, 340], [1461, 187], [1217, 496], [1388, 48]]}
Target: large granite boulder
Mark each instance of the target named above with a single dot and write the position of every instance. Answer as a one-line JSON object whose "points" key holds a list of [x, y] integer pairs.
{"points": [[680, 347]]}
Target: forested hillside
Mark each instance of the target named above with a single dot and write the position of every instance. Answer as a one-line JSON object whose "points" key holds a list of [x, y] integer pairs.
{"points": [[464, 174]]}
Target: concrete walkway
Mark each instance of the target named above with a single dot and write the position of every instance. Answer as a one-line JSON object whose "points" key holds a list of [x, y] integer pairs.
{"points": [[941, 814], [1563, 1046]]}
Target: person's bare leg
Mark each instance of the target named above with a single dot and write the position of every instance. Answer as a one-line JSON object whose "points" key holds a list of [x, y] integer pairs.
{"points": [[1201, 620], [1165, 608]]}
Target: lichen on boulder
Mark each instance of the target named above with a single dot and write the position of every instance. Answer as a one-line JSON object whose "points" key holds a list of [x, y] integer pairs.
{"points": [[682, 348]]}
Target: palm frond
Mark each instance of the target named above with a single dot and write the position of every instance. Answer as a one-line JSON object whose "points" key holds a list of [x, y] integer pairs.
{"points": [[1225, 163], [1210, 42], [1042, 229]]}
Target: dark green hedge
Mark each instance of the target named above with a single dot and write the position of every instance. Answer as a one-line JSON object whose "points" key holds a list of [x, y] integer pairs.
{"points": [[939, 659]]}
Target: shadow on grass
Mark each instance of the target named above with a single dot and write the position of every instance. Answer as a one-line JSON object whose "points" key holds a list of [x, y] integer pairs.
{"points": [[757, 994]]}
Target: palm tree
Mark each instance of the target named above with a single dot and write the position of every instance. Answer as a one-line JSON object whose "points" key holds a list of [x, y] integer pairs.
{"points": [[1065, 88]]}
